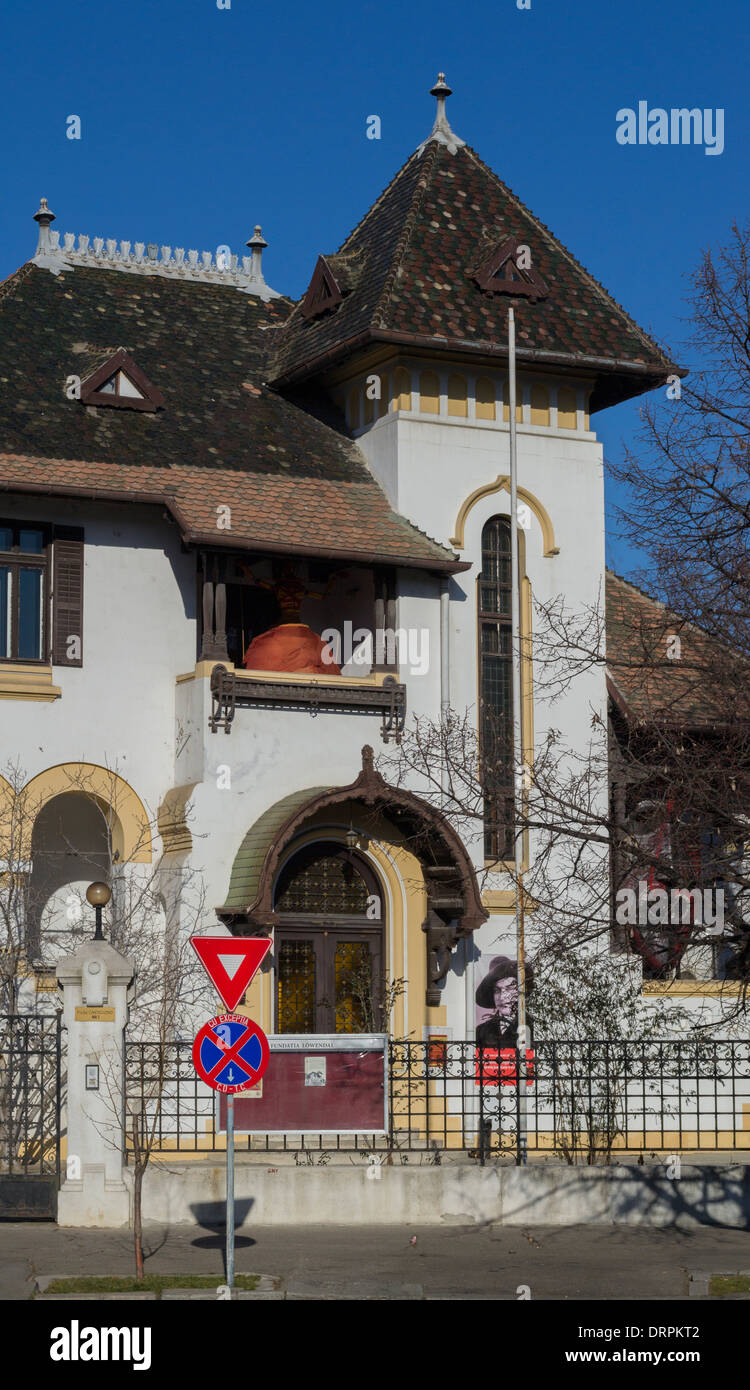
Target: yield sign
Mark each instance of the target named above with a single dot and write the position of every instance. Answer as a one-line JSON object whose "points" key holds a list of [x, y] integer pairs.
{"points": [[230, 962]]}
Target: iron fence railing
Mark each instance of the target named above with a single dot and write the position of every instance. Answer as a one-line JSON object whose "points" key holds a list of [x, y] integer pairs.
{"points": [[31, 1081], [582, 1100]]}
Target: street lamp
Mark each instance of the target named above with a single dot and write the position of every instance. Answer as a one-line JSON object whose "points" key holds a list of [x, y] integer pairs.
{"points": [[98, 894]]}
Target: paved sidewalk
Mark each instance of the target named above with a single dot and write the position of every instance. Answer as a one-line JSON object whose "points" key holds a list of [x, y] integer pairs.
{"points": [[452, 1262]]}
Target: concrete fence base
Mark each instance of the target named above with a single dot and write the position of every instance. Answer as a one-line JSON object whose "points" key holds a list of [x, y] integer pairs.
{"points": [[342, 1195]]}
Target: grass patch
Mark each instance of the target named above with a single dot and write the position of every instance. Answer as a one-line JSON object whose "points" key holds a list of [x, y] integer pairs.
{"points": [[729, 1283], [151, 1283]]}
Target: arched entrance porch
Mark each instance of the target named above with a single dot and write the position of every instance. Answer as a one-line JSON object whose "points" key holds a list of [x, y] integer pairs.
{"points": [[423, 877]]}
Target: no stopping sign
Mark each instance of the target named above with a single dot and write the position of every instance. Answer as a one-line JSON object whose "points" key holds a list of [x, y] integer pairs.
{"points": [[230, 1053]]}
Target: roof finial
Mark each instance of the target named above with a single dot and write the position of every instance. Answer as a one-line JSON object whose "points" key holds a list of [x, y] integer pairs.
{"points": [[257, 247], [441, 131], [441, 90], [44, 217]]}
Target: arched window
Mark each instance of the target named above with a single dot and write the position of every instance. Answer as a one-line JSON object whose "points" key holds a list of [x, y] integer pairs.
{"points": [[328, 944], [485, 398], [519, 402], [429, 393], [496, 688], [539, 405], [401, 389], [567, 408], [457, 399], [70, 848]]}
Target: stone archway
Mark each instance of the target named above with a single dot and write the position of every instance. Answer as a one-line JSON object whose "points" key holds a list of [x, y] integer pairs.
{"points": [[123, 809], [70, 848]]}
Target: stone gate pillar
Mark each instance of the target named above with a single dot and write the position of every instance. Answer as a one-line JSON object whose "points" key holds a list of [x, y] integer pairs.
{"points": [[95, 981]]}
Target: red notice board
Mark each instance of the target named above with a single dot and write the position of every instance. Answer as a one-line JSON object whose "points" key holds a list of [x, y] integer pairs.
{"points": [[331, 1082]]}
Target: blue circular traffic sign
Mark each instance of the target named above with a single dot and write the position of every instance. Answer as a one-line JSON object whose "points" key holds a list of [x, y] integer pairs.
{"points": [[230, 1053]]}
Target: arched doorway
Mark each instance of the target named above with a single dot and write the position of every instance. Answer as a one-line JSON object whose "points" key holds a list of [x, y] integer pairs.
{"points": [[70, 847], [328, 943]]}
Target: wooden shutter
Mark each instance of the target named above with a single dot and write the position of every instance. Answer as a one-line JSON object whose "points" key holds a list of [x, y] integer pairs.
{"points": [[67, 597]]}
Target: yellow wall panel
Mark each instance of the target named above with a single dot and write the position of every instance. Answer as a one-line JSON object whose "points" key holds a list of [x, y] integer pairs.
{"points": [[457, 397], [485, 398], [429, 393], [519, 402], [567, 408], [539, 405]]}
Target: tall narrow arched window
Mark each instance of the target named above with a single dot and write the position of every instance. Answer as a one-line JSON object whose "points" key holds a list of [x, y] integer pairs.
{"points": [[496, 688]]}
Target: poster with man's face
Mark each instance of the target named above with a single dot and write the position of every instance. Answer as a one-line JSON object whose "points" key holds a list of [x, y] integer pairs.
{"points": [[496, 1015]]}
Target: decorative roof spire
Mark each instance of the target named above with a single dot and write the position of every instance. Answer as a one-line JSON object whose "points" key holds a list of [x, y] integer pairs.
{"points": [[257, 247], [44, 217], [441, 132]]}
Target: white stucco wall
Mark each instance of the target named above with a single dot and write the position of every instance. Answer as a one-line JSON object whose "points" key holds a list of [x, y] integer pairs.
{"points": [[139, 632]]}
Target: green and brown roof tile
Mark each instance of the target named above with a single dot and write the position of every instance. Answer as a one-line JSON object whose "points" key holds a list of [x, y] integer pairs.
{"points": [[225, 437], [407, 276]]}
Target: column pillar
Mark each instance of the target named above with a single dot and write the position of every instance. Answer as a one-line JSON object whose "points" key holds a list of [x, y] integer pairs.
{"points": [[95, 981]]}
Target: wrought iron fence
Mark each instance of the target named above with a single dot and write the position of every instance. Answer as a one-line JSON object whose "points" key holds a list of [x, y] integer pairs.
{"points": [[30, 1095], [584, 1101]]}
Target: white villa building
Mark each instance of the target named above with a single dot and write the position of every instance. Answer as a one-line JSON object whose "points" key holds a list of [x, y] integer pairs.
{"points": [[202, 483]]}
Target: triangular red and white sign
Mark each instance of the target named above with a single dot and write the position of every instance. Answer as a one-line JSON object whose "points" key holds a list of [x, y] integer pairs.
{"points": [[230, 962]]}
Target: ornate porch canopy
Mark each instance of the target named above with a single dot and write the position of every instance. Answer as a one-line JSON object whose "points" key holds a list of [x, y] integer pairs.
{"points": [[454, 907]]}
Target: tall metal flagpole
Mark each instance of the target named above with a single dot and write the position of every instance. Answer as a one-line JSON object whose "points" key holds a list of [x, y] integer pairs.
{"points": [[515, 610]]}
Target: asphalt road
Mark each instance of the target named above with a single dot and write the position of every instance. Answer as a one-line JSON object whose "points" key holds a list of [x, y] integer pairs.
{"points": [[452, 1262]]}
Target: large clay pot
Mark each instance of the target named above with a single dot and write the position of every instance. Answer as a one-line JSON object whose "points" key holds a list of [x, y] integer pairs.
{"points": [[290, 647]]}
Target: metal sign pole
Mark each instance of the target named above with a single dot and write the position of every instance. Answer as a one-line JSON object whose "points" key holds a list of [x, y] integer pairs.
{"points": [[521, 1040], [230, 1191]]}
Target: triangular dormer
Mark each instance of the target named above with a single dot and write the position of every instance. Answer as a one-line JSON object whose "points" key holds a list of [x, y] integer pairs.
{"points": [[508, 270], [324, 291], [118, 381]]}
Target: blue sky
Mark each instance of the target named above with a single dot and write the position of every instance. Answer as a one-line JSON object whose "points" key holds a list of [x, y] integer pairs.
{"points": [[199, 122]]}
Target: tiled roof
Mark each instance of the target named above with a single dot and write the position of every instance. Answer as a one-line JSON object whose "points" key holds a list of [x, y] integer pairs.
{"points": [[692, 689], [225, 438], [406, 271]]}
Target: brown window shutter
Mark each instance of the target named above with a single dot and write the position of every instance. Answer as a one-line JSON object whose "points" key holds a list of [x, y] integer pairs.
{"points": [[67, 601]]}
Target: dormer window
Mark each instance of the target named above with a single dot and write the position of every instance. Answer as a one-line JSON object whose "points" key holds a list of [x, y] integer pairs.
{"points": [[324, 291], [120, 382], [508, 269], [121, 385]]}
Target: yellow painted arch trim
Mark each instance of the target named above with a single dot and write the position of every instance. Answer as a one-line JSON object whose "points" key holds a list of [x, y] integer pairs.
{"points": [[502, 484], [122, 807]]}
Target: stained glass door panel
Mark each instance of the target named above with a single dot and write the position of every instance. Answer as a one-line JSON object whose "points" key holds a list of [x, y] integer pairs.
{"points": [[295, 987], [327, 981], [353, 987]]}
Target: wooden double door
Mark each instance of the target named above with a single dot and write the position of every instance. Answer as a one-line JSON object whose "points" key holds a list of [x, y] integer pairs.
{"points": [[328, 978], [328, 944]]}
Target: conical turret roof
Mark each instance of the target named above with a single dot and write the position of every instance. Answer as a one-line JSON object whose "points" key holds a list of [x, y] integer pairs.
{"points": [[410, 273]]}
